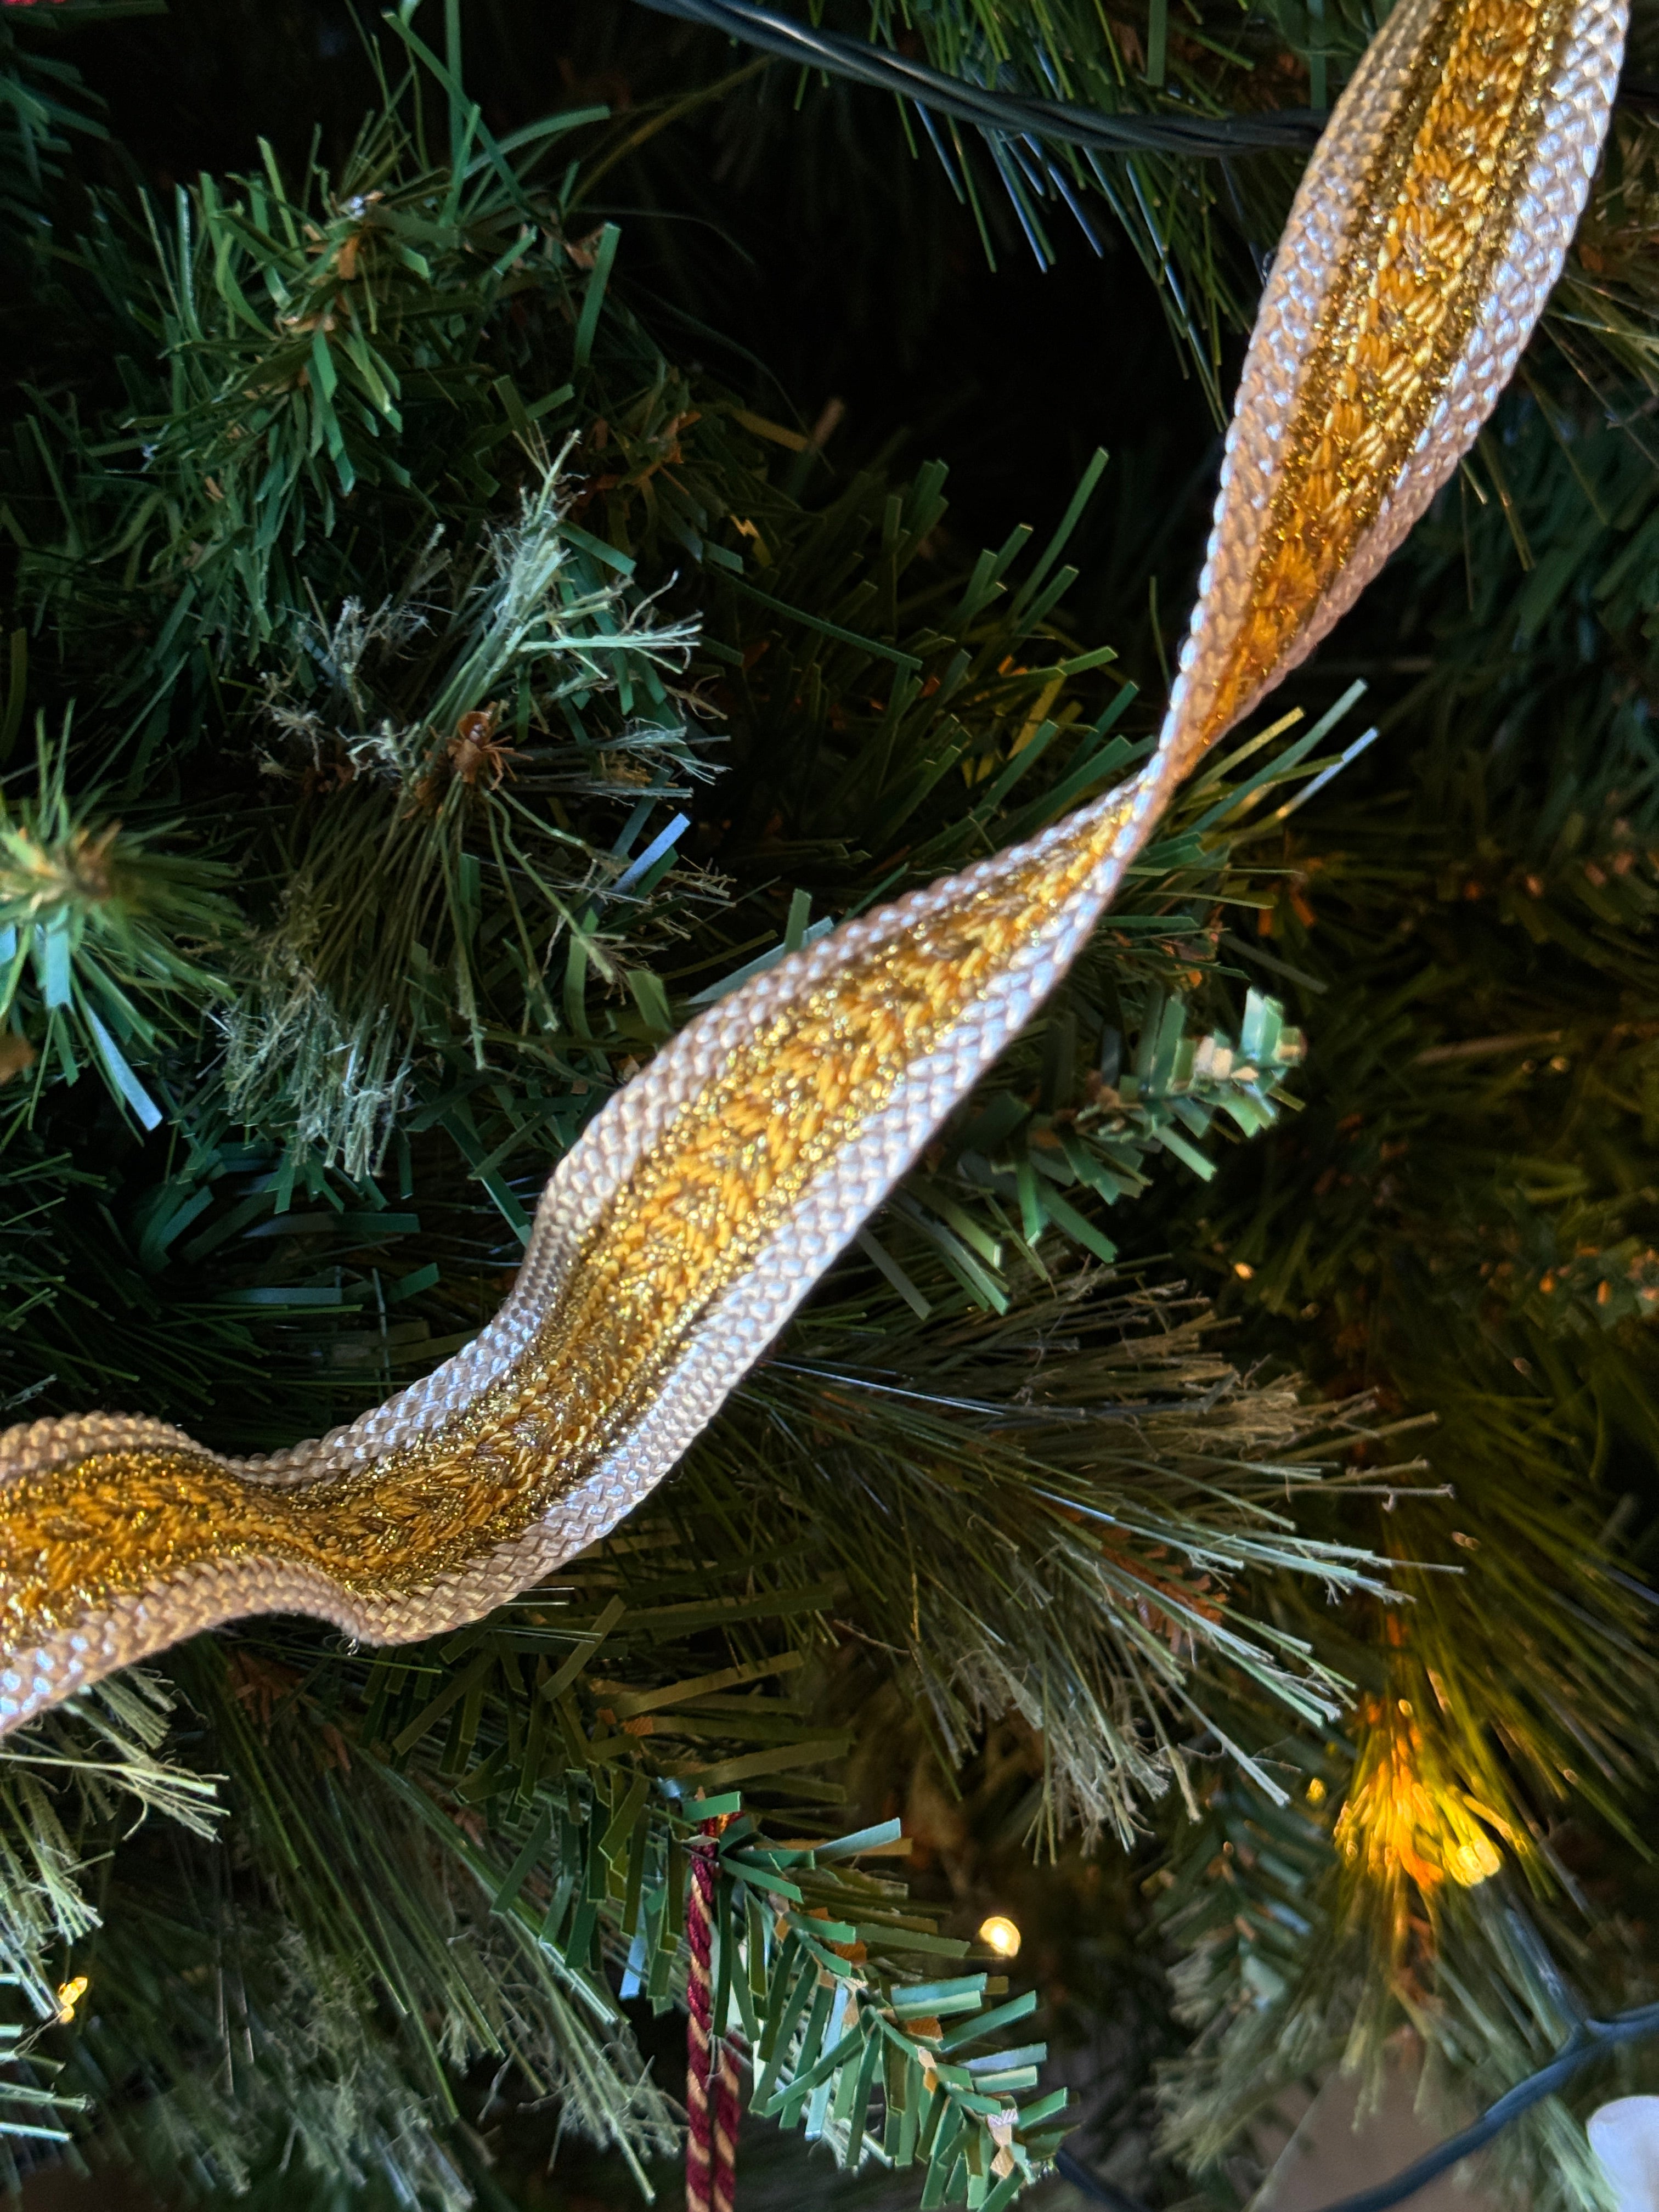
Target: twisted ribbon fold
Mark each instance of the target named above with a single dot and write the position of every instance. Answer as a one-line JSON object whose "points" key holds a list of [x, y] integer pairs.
{"points": [[680, 1232]]}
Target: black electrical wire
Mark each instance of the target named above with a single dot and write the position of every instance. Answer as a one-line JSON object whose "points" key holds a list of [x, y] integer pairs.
{"points": [[1004, 114], [1012, 115], [1588, 2040]]}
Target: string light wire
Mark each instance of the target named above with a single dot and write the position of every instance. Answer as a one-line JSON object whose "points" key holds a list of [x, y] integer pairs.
{"points": [[1007, 115], [1588, 2040]]}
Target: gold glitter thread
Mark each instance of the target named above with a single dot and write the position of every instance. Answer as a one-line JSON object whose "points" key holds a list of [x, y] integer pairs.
{"points": [[1433, 214], [696, 1215], [715, 1190]]}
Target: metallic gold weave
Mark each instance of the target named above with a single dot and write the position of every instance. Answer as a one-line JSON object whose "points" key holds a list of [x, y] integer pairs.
{"points": [[681, 1232]]}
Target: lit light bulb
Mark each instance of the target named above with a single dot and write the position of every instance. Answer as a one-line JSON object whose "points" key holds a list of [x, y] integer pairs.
{"points": [[70, 1995], [1471, 1864], [1001, 1935]]}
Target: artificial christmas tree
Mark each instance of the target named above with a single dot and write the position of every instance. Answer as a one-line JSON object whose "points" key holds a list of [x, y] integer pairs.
{"points": [[433, 684]]}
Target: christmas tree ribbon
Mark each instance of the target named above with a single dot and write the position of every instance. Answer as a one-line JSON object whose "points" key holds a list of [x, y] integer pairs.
{"points": [[677, 1235]]}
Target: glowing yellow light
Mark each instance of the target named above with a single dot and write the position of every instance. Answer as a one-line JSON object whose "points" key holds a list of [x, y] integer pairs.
{"points": [[1316, 1791], [70, 1995], [1406, 1815], [1473, 1862], [999, 1933]]}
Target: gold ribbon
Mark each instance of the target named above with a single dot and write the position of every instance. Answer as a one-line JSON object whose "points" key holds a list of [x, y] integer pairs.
{"points": [[692, 1217]]}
